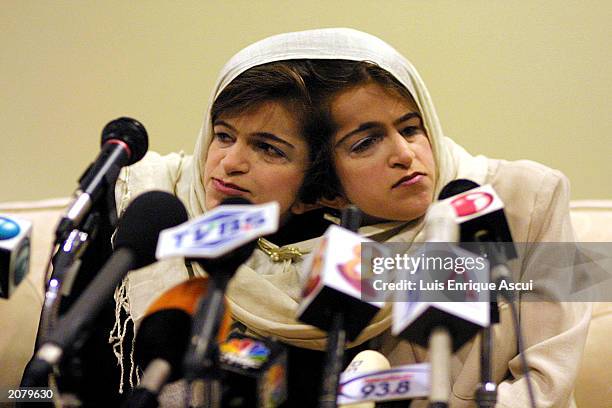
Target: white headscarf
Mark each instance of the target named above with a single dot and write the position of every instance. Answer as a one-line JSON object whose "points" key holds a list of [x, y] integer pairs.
{"points": [[264, 295]]}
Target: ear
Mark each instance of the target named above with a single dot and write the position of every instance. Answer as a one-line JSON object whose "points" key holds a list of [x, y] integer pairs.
{"points": [[300, 208], [338, 202]]}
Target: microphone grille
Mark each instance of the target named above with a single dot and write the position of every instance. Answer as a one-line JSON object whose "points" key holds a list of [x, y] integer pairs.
{"points": [[131, 132], [455, 187]]}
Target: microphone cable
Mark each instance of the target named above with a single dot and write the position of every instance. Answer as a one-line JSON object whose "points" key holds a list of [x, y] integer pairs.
{"points": [[521, 351]]}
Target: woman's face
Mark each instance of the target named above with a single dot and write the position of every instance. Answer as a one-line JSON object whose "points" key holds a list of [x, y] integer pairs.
{"points": [[258, 155], [382, 155]]}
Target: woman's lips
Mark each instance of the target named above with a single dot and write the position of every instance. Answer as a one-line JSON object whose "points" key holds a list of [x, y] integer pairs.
{"points": [[409, 180], [228, 188]]}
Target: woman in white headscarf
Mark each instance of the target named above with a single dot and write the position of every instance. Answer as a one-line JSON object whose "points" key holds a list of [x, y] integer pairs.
{"points": [[388, 155]]}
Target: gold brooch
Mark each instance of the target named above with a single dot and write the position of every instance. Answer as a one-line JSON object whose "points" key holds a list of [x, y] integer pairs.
{"points": [[277, 254]]}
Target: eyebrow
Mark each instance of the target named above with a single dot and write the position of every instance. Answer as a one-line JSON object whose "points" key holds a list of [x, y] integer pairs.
{"points": [[407, 116], [370, 125], [262, 135], [363, 127]]}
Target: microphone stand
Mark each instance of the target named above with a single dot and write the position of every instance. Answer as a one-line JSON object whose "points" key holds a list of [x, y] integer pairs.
{"points": [[440, 352], [202, 357], [65, 265], [336, 339], [486, 393], [200, 360], [91, 358]]}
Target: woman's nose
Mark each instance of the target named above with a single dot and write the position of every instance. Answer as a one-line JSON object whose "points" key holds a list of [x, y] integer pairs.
{"points": [[236, 159], [401, 153]]}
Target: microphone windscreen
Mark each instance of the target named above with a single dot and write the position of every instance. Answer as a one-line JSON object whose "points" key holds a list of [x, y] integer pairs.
{"points": [[163, 334], [365, 362], [235, 201], [456, 187], [129, 131], [139, 227]]}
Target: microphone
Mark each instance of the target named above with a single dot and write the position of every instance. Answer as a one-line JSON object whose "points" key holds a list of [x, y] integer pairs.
{"points": [[221, 269], [124, 142], [364, 362], [367, 360], [333, 283], [481, 214], [254, 369], [456, 187], [441, 326], [479, 211], [254, 372], [15, 237], [163, 336], [220, 240], [332, 297], [135, 244], [369, 381], [199, 359]]}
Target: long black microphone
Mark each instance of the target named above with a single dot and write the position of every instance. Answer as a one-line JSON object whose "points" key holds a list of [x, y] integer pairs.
{"points": [[124, 142], [135, 245]]}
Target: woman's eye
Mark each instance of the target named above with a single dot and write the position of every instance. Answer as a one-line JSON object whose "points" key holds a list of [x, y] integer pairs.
{"points": [[365, 143], [270, 150], [410, 130], [223, 138]]}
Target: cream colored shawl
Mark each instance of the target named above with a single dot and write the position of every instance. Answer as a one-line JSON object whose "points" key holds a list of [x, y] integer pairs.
{"points": [[264, 295]]}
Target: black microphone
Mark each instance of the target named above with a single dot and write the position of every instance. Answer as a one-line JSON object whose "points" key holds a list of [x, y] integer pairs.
{"points": [[481, 218], [199, 359], [163, 337], [456, 187], [124, 142], [135, 245]]}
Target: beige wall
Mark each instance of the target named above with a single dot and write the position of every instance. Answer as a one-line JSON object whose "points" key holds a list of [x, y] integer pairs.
{"points": [[516, 79]]}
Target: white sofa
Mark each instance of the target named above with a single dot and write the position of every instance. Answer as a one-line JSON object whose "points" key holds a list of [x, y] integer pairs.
{"points": [[19, 315]]}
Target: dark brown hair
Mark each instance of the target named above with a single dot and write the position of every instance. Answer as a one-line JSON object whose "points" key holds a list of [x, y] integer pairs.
{"points": [[327, 78], [284, 82]]}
